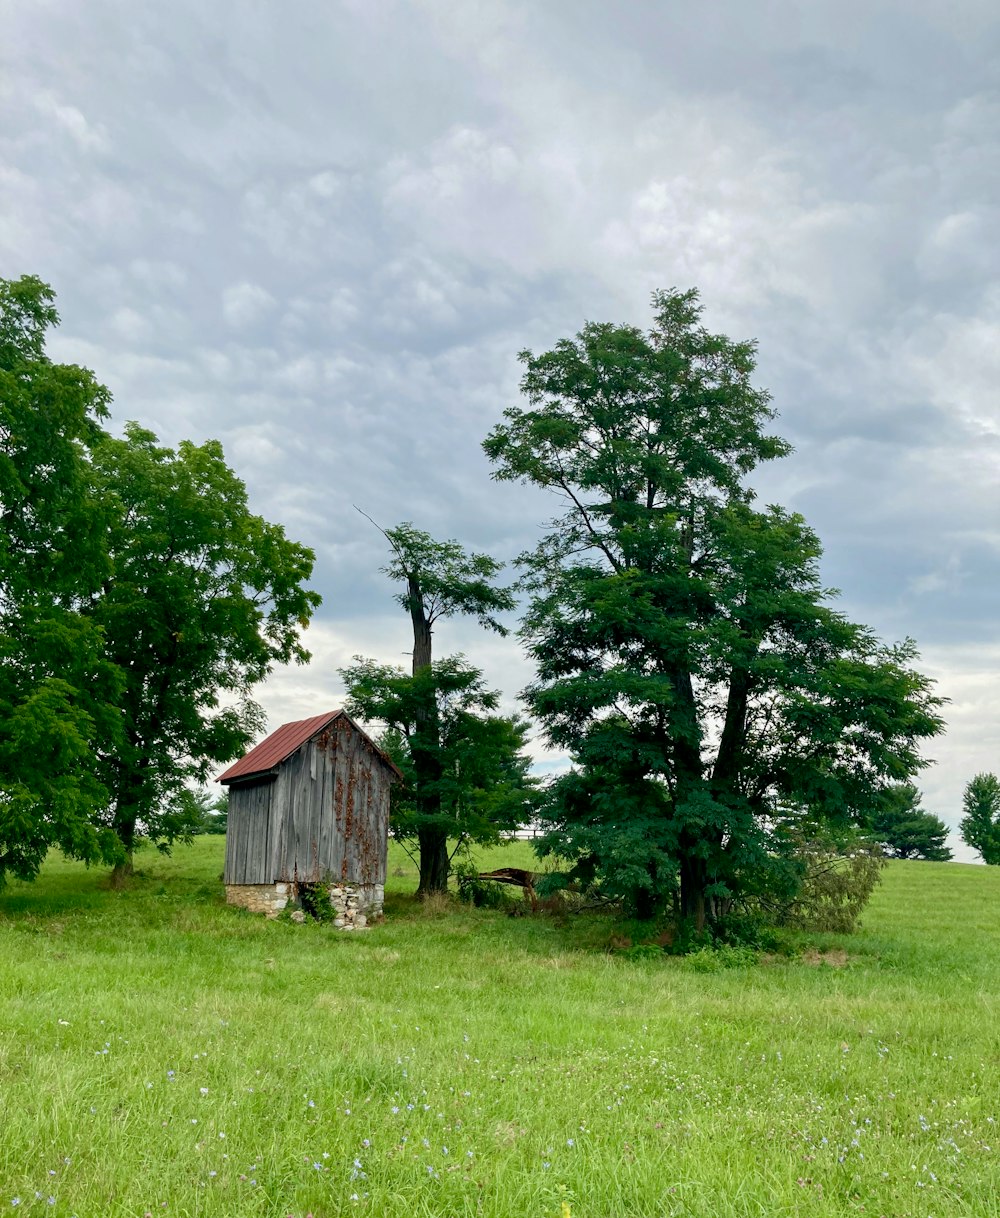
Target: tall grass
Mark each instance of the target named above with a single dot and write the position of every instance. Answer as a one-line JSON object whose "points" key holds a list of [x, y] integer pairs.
{"points": [[161, 1053]]}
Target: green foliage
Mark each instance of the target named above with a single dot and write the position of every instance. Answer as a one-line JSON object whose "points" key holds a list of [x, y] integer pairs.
{"points": [[58, 693], [476, 784], [837, 882], [202, 599], [442, 579], [199, 811], [980, 826], [718, 958], [686, 655], [483, 894], [137, 594], [642, 951], [905, 830]]}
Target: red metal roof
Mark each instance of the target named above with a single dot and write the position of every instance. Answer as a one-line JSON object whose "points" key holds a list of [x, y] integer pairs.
{"points": [[280, 745]]}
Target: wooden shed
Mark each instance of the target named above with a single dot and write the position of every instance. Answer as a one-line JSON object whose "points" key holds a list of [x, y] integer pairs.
{"points": [[310, 806]]}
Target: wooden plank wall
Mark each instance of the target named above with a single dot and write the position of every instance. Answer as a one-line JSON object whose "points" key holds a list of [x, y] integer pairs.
{"points": [[326, 815], [247, 836]]}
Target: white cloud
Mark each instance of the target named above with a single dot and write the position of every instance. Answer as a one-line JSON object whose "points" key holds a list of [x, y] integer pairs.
{"points": [[88, 137], [244, 304]]}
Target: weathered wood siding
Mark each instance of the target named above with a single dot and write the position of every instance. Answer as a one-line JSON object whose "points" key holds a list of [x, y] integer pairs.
{"points": [[248, 829], [325, 815]]}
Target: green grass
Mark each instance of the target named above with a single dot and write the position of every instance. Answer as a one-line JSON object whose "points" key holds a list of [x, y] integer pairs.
{"points": [[162, 1053]]}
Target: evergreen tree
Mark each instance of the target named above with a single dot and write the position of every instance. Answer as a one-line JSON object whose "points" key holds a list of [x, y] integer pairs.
{"points": [[905, 830]]}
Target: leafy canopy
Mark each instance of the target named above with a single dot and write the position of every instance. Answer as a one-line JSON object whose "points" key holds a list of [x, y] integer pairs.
{"points": [[58, 692], [140, 602], [687, 655], [203, 598], [476, 785], [441, 579], [980, 826]]}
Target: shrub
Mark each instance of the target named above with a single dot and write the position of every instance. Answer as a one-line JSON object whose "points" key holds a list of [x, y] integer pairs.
{"points": [[722, 956], [643, 951], [836, 885]]}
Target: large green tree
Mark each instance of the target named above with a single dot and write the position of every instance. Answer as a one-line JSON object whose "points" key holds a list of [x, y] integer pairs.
{"points": [[58, 693], [440, 579], [481, 786], [201, 600], [905, 830], [980, 827], [687, 654]]}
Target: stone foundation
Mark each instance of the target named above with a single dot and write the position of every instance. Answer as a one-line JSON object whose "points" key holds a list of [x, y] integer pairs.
{"points": [[354, 905], [268, 899]]}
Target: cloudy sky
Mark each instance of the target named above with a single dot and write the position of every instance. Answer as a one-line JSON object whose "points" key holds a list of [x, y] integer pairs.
{"points": [[321, 232]]}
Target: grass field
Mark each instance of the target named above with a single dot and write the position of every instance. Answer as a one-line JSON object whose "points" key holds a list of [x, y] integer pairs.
{"points": [[161, 1053]]}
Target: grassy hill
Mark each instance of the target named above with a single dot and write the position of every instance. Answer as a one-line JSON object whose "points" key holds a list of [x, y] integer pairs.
{"points": [[161, 1053]]}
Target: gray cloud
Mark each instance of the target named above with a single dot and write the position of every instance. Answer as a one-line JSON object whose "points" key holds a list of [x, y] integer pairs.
{"points": [[322, 234]]}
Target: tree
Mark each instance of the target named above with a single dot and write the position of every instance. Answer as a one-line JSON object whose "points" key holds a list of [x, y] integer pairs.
{"points": [[905, 830], [202, 599], [440, 579], [481, 786], [686, 655], [58, 693], [199, 811], [980, 826]]}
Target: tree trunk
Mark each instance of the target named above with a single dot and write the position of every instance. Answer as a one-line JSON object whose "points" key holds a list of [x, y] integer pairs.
{"points": [[124, 869], [434, 861], [694, 880], [431, 839], [421, 626]]}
